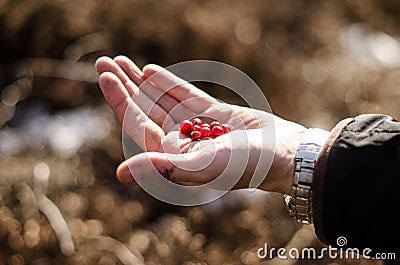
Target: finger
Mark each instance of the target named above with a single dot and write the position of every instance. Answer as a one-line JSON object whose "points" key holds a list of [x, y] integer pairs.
{"points": [[144, 131], [192, 97], [170, 104], [130, 68], [106, 64], [148, 106], [174, 167]]}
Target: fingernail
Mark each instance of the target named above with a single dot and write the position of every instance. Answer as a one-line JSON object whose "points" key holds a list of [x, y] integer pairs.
{"points": [[123, 173]]}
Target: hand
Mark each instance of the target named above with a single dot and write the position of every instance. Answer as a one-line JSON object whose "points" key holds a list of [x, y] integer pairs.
{"points": [[153, 115]]}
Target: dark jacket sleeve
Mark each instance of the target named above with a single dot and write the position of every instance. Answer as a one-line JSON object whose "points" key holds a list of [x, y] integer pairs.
{"points": [[356, 189]]}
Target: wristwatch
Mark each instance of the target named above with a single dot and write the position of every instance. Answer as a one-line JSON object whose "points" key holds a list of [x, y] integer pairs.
{"points": [[299, 201]]}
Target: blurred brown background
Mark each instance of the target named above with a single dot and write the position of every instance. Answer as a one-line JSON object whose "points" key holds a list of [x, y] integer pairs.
{"points": [[316, 61]]}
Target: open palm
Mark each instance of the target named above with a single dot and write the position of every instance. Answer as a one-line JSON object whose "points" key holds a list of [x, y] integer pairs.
{"points": [[151, 103]]}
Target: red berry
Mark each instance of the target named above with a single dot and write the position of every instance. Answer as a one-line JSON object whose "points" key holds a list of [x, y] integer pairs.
{"points": [[215, 123], [196, 121], [196, 135], [217, 131], [227, 128], [196, 128], [186, 127], [205, 132]]}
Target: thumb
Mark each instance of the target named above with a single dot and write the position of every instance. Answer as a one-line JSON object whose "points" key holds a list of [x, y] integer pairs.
{"points": [[194, 167]]}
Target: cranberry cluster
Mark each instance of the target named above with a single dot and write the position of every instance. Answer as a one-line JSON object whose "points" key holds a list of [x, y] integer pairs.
{"points": [[196, 129]]}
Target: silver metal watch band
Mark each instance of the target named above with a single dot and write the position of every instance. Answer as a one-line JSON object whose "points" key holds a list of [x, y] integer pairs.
{"points": [[299, 201]]}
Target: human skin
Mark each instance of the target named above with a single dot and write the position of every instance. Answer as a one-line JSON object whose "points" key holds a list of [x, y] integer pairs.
{"points": [[151, 111]]}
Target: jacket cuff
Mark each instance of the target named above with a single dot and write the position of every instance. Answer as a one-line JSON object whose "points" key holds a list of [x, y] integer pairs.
{"points": [[318, 181]]}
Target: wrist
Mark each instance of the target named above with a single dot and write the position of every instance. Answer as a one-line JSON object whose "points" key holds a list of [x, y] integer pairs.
{"points": [[280, 176]]}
